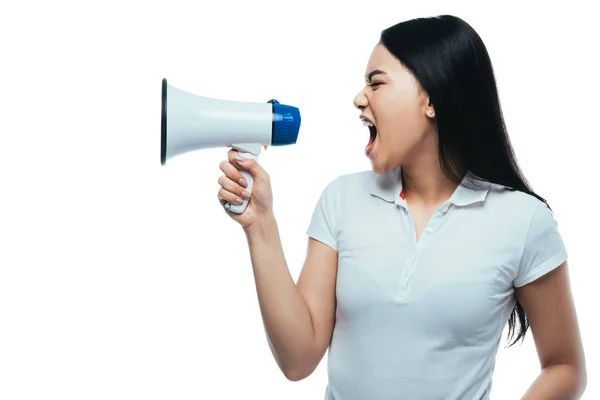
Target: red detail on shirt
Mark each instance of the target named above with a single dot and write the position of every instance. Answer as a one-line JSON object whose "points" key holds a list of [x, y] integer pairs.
{"points": [[402, 194]]}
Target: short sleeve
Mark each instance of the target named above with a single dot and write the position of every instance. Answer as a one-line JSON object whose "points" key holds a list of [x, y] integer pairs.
{"points": [[322, 225], [544, 249]]}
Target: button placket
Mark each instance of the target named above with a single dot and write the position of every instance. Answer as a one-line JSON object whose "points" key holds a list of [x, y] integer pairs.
{"points": [[409, 260], [435, 220], [406, 272]]}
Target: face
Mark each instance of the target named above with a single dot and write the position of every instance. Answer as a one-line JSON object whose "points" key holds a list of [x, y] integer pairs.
{"points": [[399, 116]]}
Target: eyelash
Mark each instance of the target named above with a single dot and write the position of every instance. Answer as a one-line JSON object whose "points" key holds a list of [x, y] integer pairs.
{"points": [[375, 84]]}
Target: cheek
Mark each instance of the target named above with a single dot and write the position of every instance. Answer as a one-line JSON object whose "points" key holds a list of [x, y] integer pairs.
{"points": [[401, 121]]}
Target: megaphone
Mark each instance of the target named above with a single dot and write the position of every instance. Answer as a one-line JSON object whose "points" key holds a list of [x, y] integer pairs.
{"points": [[190, 122]]}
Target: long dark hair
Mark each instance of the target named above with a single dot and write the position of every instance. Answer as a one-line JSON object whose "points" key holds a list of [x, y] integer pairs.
{"points": [[453, 67]]}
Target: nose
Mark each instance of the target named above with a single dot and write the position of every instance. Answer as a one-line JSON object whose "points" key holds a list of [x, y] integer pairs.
{"points": [[360, 100]]}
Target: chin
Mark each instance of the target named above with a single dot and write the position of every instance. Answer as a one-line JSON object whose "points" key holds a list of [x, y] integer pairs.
{"points": [[381, 163], [381, 167], [375, 168]]}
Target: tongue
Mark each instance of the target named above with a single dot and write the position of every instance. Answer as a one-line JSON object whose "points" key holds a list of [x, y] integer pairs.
{"points": [[369, 145], [372, 137]]}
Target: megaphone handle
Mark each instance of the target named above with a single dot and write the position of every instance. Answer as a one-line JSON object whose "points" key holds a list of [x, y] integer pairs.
{"points": [[239, 208]]}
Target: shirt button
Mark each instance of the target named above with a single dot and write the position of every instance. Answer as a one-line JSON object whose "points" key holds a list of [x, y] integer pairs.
{"points": [[445, 209], [404, 273], [428, 230]]}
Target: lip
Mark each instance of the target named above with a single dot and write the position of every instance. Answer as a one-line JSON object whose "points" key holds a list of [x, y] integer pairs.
{"points": [[365, 118]]}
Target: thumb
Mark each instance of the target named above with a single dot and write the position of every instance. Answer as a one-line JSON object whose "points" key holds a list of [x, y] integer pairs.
{"points": [[253, 167]]}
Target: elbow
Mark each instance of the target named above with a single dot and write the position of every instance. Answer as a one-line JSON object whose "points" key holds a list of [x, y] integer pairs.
{"points": [[294, 375], [582, 380], [574, 377], [579, 377], [298, 367], [297, 374]]}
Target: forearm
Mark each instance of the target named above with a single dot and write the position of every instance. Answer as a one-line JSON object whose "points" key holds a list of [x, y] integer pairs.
{"points": [[558, 382], [285, 314]]}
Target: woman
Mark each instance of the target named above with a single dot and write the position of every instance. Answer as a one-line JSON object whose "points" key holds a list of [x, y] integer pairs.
{"points": [[413, 269]]}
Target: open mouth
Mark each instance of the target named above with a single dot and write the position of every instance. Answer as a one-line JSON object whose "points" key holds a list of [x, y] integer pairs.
{"points": [[372, 133]]}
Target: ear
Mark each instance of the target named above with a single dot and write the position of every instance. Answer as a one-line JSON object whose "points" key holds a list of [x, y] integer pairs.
{"points": [[429, 111]]}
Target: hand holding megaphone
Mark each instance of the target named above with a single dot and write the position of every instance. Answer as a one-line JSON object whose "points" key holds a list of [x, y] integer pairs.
{"points": [[190, 122], [246, 185]]}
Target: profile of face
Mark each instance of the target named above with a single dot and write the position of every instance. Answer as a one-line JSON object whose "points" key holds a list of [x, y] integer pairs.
{"points": [[398, 114]]}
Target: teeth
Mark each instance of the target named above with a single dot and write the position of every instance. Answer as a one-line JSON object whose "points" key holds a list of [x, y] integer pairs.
{"points": [[367, 123]]}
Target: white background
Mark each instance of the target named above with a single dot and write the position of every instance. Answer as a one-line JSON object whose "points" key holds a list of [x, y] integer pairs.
{"points": [[124, 279]]}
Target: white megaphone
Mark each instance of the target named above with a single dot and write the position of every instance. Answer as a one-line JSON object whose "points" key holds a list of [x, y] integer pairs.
{"points": [[190, 122]]}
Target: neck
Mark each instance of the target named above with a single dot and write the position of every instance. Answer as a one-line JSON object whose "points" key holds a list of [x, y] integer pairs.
{"points": [[425, 183]]}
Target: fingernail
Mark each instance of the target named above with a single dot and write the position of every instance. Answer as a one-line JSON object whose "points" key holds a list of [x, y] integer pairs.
{"points": [[238, 200], [245, 194], [240, 157], [243, 182]]}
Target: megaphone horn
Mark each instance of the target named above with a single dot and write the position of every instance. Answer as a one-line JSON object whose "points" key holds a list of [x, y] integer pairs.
{"points": [[190, 122]]}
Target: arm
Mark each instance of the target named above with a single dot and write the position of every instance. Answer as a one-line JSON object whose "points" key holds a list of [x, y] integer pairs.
{"points": [[298, 318], [553, 321]]}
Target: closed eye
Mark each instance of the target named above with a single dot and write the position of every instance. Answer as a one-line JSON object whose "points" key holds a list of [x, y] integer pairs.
{"points": [[375, 84]]}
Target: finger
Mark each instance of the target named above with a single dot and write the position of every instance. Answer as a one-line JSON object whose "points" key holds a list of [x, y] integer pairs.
{"points": [[231, 154], [233, 187], [226, 196], [234, 156], [255, 169], [233, 173]]}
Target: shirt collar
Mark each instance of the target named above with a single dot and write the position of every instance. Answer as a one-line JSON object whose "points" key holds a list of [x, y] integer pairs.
{"points": [[388, 187]]}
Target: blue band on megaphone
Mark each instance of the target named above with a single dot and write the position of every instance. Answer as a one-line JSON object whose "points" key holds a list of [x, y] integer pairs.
{"points": [[286, 124]]}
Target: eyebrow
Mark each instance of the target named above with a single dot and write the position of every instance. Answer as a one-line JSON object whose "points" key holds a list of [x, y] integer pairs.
{"points": [[373, 73]]}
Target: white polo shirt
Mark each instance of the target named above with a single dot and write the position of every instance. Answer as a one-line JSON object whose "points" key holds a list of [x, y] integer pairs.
{"points": [[423, 320]]}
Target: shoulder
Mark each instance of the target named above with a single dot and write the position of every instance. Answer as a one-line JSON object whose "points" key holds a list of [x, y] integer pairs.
{"points": [[512, 197], [527, 229], [513, 203], [357, 180], [527, 219], [332, 204], [349, 183], [340, 193]]}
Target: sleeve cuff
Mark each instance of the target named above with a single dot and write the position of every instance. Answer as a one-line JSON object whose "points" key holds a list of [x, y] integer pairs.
{"points": [[543, 269], [323, 238]]}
